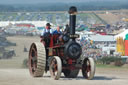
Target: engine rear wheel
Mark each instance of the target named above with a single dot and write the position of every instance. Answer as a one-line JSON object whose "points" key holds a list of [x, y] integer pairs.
{"points": [[88, 68], [37, 59], [71, 73], [55, 67]]}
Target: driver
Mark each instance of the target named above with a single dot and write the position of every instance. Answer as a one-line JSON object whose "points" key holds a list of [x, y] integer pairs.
{"points": [[45, 35], [47, 30]]}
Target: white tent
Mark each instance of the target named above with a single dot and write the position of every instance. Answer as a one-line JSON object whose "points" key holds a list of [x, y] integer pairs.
{"points": [[123, 34], [36, 23]]}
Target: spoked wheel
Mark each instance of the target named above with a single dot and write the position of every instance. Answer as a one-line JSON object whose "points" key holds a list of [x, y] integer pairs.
{"points": [[55, 67], [88, 68], [37, 59], [71, 73]]}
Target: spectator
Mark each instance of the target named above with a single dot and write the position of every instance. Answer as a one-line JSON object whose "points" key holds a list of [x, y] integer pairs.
{"points": [[57, 31]]}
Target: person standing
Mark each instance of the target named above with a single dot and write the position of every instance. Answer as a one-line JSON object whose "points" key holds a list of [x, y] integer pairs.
{"points": [[46, 34], [47, 30]]}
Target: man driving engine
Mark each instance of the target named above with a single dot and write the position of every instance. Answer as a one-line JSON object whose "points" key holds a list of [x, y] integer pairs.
{"points": [[47, 30], [46, 33]]}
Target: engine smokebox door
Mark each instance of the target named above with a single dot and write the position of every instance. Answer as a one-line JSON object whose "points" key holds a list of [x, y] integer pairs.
{"points": [[72, 50]]}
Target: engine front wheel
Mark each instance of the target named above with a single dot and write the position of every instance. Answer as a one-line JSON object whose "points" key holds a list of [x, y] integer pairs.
{"points": [[88, 68], [55, 67]]}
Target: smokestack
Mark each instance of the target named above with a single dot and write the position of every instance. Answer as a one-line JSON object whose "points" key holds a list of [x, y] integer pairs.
{"points": [[72, 12]]}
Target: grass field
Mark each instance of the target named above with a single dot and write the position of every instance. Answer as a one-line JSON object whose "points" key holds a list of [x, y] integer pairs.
{"points": [[106, 66]]}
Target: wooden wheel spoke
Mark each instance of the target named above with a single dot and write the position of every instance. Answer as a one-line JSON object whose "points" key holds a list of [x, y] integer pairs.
{"points": [[55, 67], [88, 63], [35, 66], [33, 48], [33, 69], [30, 57], [88, 69], [34, 59], [52, 63]]}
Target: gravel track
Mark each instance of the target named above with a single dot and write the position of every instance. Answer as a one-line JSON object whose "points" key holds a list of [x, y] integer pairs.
{"points": [[103, 77]]}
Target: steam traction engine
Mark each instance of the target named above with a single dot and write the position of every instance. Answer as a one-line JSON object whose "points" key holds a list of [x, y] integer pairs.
{"points": [[61, 54]]}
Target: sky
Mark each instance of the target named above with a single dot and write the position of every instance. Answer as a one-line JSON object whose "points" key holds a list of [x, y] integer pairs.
{"points": [[45, 1]]}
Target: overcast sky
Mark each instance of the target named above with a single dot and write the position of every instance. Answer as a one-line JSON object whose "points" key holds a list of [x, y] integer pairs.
{"points": [[44, 1]]}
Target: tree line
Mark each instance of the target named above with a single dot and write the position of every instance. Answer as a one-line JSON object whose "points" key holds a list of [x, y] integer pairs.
{"points": [[63, 7]]}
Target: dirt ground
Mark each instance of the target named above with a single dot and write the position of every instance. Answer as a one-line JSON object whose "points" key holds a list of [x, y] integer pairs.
{"points": [[11, 72], [102, 77], [21, 41]]}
